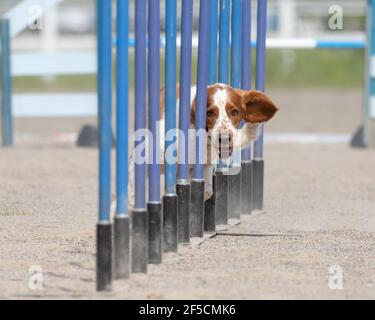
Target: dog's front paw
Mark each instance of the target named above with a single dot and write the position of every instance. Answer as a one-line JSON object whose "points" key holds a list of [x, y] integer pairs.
{"points": [[208, 195]]}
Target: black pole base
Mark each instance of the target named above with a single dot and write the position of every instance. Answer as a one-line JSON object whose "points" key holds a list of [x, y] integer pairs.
{"points": [[258, 183], [122, 247], [246, 187], [139, 241], [183, 193], [221, 198], [154, 232], [251, 186], [210, 209], [197, 208], [170, 227], [104, 256], [234, 196]]}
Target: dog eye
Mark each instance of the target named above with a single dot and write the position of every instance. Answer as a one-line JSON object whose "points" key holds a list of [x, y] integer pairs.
{"points": [[234, 113], [210, 114]]}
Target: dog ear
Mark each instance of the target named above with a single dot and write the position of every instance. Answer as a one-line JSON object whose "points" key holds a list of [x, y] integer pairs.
{"points": [[258, 107]]}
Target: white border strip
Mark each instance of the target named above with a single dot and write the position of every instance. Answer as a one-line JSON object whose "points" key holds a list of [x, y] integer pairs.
{"points": [[64, 63], [291, 43], [55, 105], [270, 138], [20, 16], [372, 108], [306, 138]]}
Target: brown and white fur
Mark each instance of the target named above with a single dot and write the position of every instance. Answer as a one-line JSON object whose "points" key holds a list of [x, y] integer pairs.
{"points": [[226, 108]]}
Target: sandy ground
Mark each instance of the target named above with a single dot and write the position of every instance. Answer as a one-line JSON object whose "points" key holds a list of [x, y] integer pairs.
{"points": [[319, 203]]}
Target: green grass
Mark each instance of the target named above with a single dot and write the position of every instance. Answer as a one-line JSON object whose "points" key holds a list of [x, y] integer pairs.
{"points": [[315, 68], [285, 69], [56, 84]]}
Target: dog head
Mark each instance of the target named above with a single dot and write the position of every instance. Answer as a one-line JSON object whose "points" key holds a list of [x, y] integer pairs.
{"points": [[226, 109]]}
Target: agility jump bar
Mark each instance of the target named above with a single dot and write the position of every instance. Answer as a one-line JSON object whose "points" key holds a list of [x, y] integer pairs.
{"points": [[289, 43]]}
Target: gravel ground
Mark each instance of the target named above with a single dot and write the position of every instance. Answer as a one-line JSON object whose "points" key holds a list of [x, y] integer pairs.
{"points": [[319, 213]]}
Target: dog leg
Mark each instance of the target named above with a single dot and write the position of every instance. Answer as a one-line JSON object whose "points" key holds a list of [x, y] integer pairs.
{"points": [[208, 174]]}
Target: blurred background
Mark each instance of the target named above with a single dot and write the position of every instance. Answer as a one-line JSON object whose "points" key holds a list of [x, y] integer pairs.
{"points": [[312, 86]]}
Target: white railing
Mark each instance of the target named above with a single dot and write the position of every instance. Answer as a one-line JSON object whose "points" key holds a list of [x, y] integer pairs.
{"points": [[48, 63], [19, 16]]}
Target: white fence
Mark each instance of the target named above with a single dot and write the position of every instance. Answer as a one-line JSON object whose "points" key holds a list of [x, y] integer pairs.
{"points": [[48, 63]]}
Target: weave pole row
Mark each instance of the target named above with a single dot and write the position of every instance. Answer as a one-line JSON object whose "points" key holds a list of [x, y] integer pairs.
{"points": [[245, 181], [159, 224]]}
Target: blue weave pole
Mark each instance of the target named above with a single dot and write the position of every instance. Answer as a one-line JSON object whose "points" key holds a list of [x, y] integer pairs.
{"points": [[170, 89], [105, 108], [202, 81], [183, 180], [121, 222], [258, 162], [236, 43], [139, 215], [246, 58], [197, 185], [224, 46], [261, 65], [369, 106], [140, 97], [234, 196], [185, 87], [246, 166], [224, 49], [224, 41], [104, 227], [221, 205], [6, 85], [170, 200], [210, 204], [154, 206], [154, 98], [371, 51], [122, 163], [214, 21]]}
